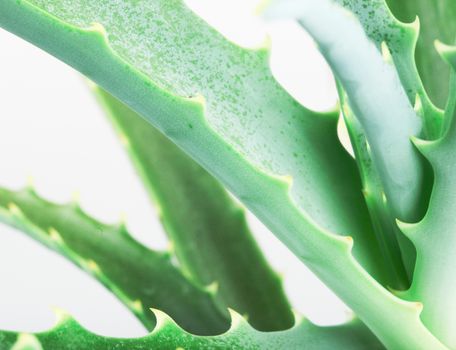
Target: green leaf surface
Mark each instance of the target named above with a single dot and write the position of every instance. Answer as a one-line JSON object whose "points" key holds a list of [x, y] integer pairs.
{"points": [[375, 95], [139, 277], [221, 104], [215, 100], [387, 232], [398, 40], [437, 22], [207, 229], [435, 236], [69, 335]]}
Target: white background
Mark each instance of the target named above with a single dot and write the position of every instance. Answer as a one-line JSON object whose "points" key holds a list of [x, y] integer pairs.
{"points": [[51, 129]]}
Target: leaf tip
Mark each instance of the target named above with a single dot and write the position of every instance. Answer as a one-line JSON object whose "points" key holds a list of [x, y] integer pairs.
{"points": [[424, 146], [27, 341], [162, 319], [445, 51], [418, 105], [124, 140], [98, 28], [408, 229], [136, 305], [61, 316], [386, 53], [55, 235], [236, 319], [418, 306], [14, 209], [212, 288]]}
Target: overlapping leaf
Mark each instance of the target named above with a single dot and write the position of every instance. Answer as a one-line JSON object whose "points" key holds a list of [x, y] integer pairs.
{"points": [[224, 108], [208, 231], [242, 111], [436, 20], [435, 237], [386, 229], [375, 94], [399, 40], [138, 276]]}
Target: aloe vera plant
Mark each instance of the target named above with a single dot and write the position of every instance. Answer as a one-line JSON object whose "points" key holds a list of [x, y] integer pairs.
{"points": [[200, 115]]}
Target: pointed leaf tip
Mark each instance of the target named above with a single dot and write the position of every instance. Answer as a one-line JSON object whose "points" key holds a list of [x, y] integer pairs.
{"points": [[298, 318], [212, 288], [445, 51], [408, 229], [418, 105], [61, 316], [386, 53], [14, 209], [55, 235], [26, 341], [163, 320], [424, 146], [416, 24], [98, 28], [236, 319]]}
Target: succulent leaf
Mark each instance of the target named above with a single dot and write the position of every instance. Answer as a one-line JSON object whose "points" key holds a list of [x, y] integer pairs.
{"points": [[436, 20], [69, 335], [153, 56], [435, 237], [398, 251], [375, 94], [400, 41], [208, 230], [243, 135], [139, 277]]}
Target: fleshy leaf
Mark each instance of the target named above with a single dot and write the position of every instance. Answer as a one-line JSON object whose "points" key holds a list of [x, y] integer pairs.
{"points": [[398, 41], [139, 277], [375, 94], [69, 335], [398, 251], [436, 20], [435, 236], [207, 229], [221, 104]]}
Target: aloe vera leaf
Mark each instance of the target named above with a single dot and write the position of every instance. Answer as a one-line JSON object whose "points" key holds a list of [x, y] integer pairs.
{"points": [[189, 91], [387, 232], [434, 236], [436, 20], [244, 152], [375, 94], [207, 229], [399, 40], [69, 335], [139, 277]]}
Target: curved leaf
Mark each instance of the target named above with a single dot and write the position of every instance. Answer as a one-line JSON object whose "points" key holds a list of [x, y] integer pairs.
{"points": [[435, 235], [436, 22], [399, 40], [207, 229], [386, 229], [154, 56], [139, 277], [375, 95], [69, 335]]}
